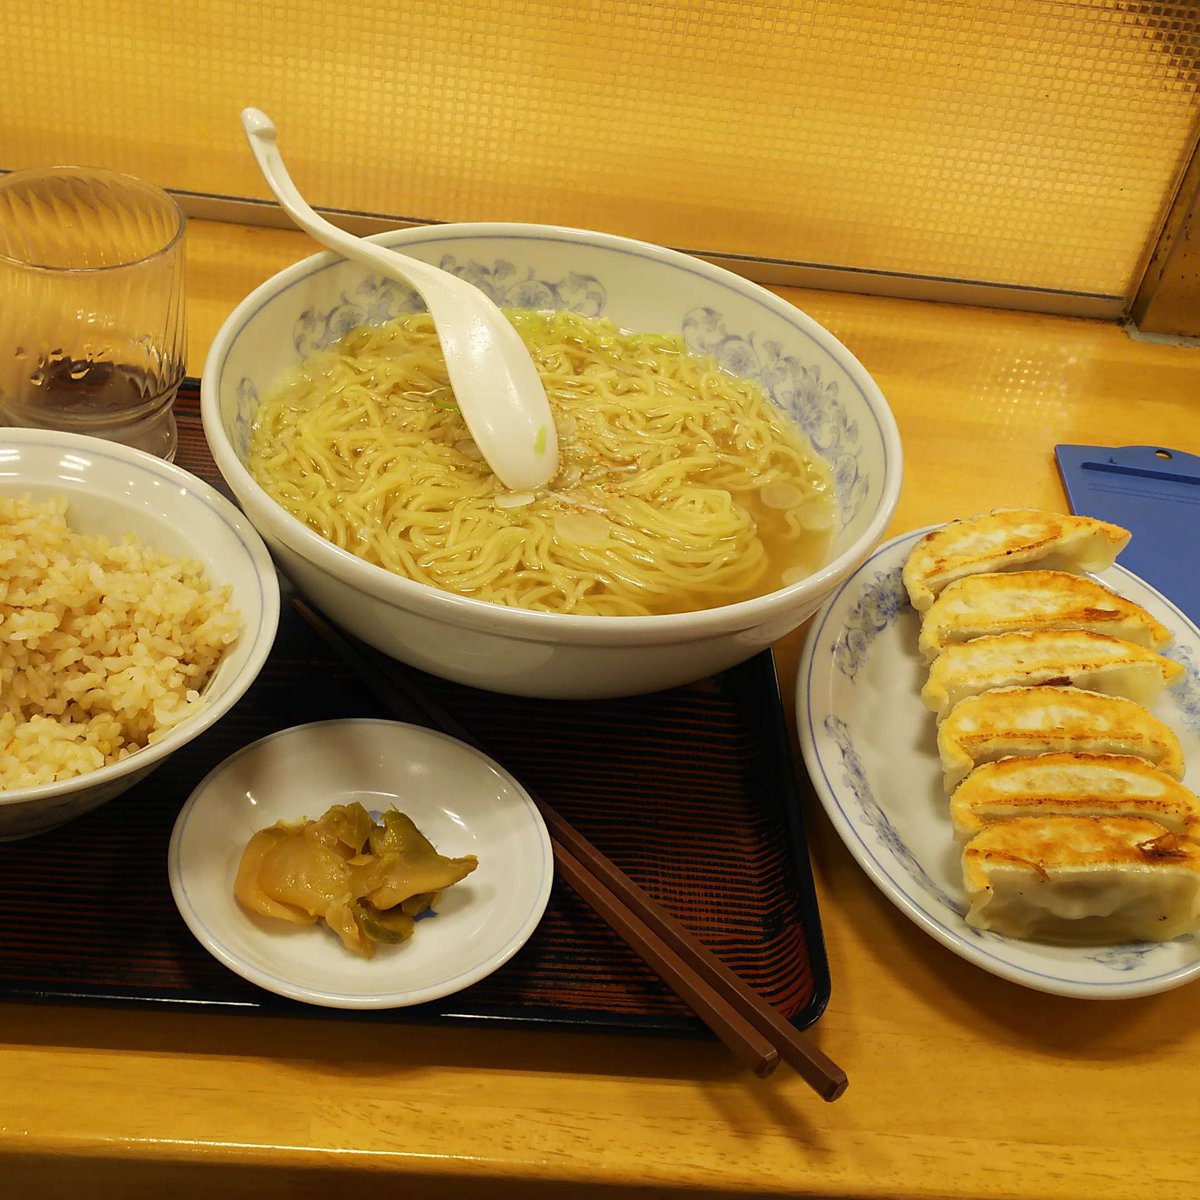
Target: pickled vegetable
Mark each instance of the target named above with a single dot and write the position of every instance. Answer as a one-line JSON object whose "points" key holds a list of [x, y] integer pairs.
{"points": [[367, 881]]}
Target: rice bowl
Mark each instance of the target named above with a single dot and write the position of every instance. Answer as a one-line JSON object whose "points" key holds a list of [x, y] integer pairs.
{"points": [[113, 651]]}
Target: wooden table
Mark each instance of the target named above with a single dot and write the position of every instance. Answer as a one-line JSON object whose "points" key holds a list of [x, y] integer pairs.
{"points": [[962, 1084]]}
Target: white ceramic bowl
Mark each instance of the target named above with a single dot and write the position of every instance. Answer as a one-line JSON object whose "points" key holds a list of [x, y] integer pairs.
{"points": [[641, 287], [463, 801], [112, 490]]}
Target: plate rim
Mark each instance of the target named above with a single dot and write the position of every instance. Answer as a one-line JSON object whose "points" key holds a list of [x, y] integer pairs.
{"points": [[1064, 983], [281, 985]]}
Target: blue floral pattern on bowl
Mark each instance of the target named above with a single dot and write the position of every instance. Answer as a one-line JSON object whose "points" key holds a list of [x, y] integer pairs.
{"points": [[245, 406], [799, 390], [509, 288], [374, 301]]}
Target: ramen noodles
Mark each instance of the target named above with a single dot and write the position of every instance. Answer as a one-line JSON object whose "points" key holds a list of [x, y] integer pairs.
{"points": [[680, 486]]}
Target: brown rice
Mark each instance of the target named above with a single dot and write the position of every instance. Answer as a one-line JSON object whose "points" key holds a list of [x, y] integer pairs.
{"points": [[104, 646]]}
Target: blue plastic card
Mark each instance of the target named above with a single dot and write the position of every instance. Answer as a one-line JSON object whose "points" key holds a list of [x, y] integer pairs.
{"points": [[1153, 492]]}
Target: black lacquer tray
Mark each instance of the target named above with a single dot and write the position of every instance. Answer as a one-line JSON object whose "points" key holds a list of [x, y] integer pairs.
{"points": [[692, 791]]}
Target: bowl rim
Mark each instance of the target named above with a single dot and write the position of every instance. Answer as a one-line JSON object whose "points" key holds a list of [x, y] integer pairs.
{"points": [[242, 531], [533, 624]]}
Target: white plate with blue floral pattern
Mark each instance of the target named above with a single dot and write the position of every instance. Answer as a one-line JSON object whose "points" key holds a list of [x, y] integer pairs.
{"points": [[870, 748]]}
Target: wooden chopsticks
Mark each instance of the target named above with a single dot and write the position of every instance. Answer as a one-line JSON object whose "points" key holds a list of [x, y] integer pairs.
{"points": [[756, 1032]]}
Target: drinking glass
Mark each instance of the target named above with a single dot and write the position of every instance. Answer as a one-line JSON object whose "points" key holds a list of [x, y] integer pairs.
{"points": [[93, 334]]}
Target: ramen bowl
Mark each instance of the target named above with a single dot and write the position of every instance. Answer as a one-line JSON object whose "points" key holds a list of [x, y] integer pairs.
{"points": [[113, 490], [752, 333]]}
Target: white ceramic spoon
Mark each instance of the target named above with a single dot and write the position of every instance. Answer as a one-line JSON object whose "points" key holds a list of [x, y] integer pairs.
{"points": [[495, 382]]}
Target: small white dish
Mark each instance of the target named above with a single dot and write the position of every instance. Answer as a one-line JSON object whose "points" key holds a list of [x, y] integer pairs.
{"points": [[870, 748], [459, 798]]}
